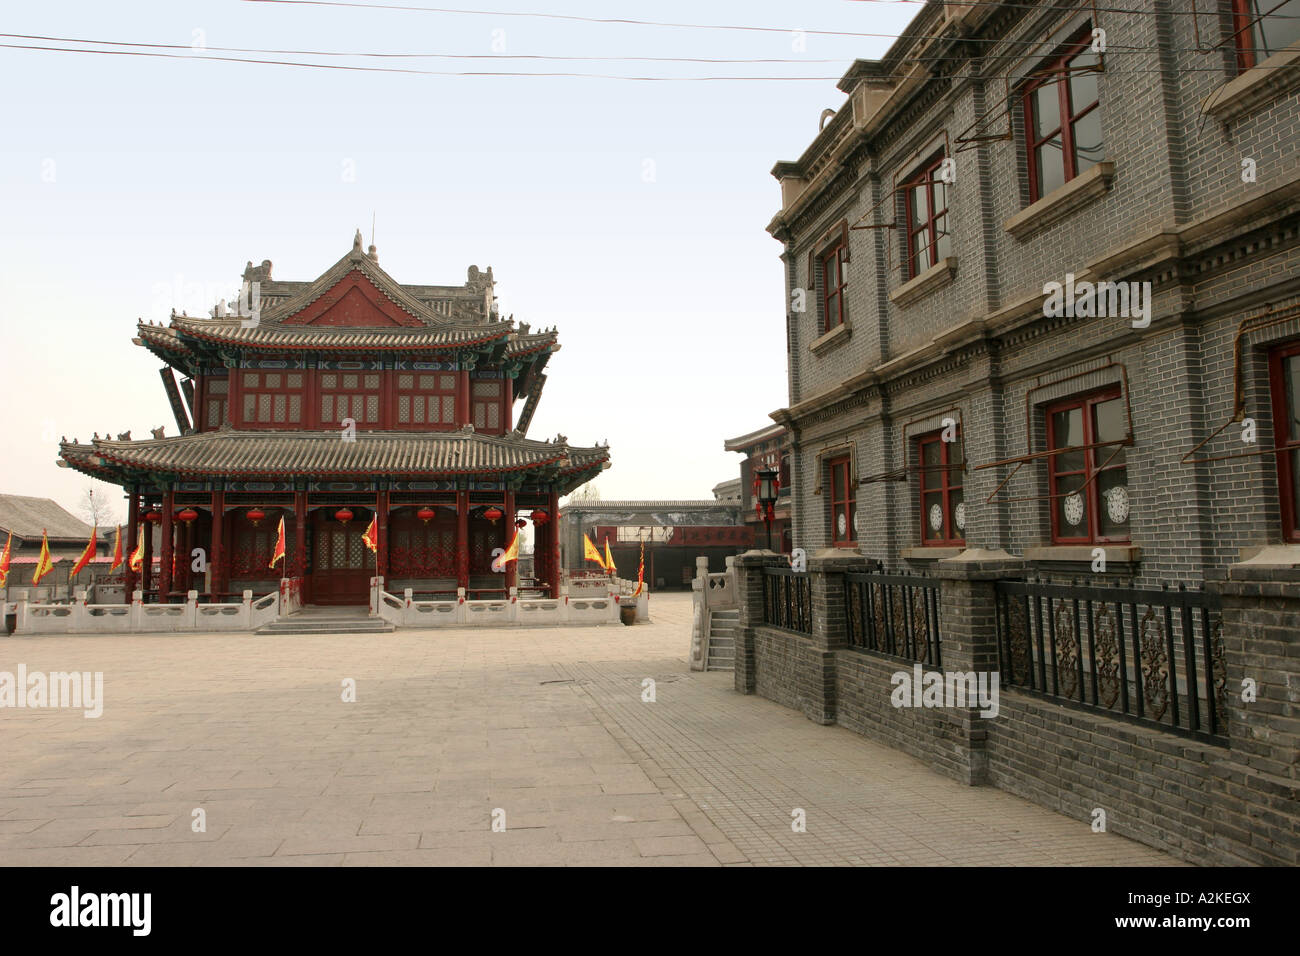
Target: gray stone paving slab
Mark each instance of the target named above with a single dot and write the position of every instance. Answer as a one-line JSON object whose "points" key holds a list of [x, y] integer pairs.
{"points": [[547, 725]]}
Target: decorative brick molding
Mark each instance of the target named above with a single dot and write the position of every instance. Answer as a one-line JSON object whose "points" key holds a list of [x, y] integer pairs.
{"points": [[935, 277], [1061, 202], [836, 336]]}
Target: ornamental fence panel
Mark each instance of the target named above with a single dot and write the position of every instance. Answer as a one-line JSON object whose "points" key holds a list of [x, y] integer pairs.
{"points": [[787, 599], [894, 614], [1151, 656]]}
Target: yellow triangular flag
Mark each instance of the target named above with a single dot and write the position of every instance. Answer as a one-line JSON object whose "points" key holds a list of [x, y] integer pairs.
{"points": [[589, 551]]}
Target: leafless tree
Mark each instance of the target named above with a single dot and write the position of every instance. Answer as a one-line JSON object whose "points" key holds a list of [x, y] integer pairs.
{"points": [[96, 510]]}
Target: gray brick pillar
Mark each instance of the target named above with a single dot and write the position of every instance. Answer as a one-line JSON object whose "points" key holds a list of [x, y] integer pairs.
{"points": [[1257, 786], [826, 573], [749, 599], [969, 642]]}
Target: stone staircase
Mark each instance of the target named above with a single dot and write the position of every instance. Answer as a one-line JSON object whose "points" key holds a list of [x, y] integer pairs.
{"points": [[328, 620], [720, 655]]}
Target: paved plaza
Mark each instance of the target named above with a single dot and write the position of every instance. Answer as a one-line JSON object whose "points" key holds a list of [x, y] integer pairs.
{"points": [[542, 730]]}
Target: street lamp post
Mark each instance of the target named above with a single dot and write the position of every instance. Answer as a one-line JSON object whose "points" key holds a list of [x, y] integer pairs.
{"points": [[767, 485]]}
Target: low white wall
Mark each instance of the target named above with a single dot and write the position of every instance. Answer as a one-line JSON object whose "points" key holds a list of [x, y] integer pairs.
{"points": [[590, 606], [81, 617]]}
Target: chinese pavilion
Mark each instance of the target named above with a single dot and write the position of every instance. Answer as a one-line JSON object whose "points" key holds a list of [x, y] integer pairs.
{"points": [[330, 402]]}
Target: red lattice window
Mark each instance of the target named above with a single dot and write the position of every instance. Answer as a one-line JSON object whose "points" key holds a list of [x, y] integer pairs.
{"points": [[1063, 120], [420, 550], [486, 398], [272, 398], [426, 399], [843, 502], [250, 558], [353, 395], [218, 392]]}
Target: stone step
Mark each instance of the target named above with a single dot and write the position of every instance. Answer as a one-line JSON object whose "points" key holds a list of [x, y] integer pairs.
{"points": [[724, 641], [715, 628], [337, 626], [729, 614]]}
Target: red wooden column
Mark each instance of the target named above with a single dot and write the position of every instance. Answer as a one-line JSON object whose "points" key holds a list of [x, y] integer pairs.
{"points": [[217, 559], [508, 406], [132, 539], [146, 559], [462, 397], [300, 533], [381, 556], [462, 539], [168, 546], [512, 569], [553, 507]]}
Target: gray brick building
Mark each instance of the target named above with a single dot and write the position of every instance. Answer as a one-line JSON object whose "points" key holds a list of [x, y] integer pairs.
{"points": [[993, 150]]}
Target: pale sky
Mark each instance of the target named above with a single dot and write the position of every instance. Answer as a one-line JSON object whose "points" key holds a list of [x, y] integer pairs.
{"points": [[630, 215]]}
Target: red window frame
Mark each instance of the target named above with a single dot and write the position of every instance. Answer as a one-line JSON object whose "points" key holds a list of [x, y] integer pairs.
{"points": [[843, 500], [216, 399], [830, 269], [263, 397], [1288, 463], [1093, 457], [1059, 72], [941, 482], [1248, 35], [430, 393], [339, 390], [926, 180], [486, 404]]}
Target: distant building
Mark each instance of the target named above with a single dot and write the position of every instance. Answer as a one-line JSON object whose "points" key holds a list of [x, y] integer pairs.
{"points": [[26, 519], [728, 491], [768, 447], [675, 534]]}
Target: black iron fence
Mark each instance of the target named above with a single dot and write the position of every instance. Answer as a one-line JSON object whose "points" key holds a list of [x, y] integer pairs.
{"points": [[787, 599], [1154, 656], [894, 614]]}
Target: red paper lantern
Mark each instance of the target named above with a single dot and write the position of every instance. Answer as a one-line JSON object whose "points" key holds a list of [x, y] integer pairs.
{"points": [[255, 515], [540, 517], [153, 517], [425, 514], [493, 514], [188, 515], [344, 515], [520, 523]]}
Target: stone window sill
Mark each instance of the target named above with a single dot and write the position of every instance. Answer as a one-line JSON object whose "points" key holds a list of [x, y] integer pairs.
{"points": [[935, 277], [836, 336], [1082, 553], [1061, 202], [930, 554], [1276, 76]]}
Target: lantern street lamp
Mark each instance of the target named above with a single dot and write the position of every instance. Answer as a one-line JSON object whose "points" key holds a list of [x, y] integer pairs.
{"points": [[767, 485]]}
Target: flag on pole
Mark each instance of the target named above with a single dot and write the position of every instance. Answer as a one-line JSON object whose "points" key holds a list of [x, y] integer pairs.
{"points": [[43, 563], [640, 572], [4, 561], [511, 553], [117, 551], [278, 553], [609, 558], [88, 555], [136, 561], [371, 537], [590, 552]]}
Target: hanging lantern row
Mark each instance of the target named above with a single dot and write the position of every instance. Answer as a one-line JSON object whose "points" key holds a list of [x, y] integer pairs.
{"points": [[540, 517], [493, 514], [187, 515], [153, 517]]}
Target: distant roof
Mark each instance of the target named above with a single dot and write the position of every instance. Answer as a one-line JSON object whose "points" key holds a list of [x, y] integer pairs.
{"points": [[647, 503], [766, 433], [28, 517]]}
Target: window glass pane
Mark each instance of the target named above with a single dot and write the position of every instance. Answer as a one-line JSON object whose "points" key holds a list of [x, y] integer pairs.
{"points": [[214, 414], [943, 246], [956, 515], [403, 409], [1046, 109], [218, 386], [921, 251], [955, 457], [295, 408], [932, 516], [918, 207], [1089, 150], [1108, 425], [1113, 502], [1278, 30], [1289, 430], [1072, 510], [1083, 85], [280, 408], [488, 389], [931, 454], [329, 380], [327, 408], [837, 481], [264, 408], [428, 381], [372, 408], [372, 381], [1051, 166], [406, 381], [250, 407], [480, 416], [832, 310], [1067, 431], [940, 192], [448, 409], [494, 417], [295, 380], [448, 383], [829, 267], [419, 408], [273, 379], [251, 379], [350, 381]]}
